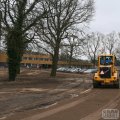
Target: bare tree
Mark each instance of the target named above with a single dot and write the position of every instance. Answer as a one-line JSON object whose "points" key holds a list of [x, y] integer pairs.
{"points": [[63, 15], [117, 48], [92, 47], [110, 42], [18, 19], [71, 46]]}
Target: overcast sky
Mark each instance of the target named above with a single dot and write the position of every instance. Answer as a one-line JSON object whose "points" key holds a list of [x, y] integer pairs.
{"points": [[107, 16]]}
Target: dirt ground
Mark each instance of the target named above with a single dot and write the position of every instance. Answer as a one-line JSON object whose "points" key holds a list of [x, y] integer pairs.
{"points": [[36, 96], [35, 89]]}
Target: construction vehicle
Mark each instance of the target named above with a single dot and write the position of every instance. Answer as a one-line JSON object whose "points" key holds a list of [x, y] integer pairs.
{"points": [[107, 72]]}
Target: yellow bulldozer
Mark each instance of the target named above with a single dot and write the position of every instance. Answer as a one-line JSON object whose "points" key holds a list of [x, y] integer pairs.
{"points": [[107, 73]]}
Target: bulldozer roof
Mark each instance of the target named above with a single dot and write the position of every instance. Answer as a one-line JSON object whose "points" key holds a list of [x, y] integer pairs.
{"points": [[107, 55]]}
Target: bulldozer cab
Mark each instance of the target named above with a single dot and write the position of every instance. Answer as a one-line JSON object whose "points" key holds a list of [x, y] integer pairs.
{"points": [[106, 60], [106, 65]]}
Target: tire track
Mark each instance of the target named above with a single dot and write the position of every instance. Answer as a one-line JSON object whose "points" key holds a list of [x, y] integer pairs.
{"points": [[42, 100], [98, 114], [62, 108]]}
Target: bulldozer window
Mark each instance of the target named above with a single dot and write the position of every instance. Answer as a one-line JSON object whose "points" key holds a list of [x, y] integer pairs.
{"points": [[106, 60]]}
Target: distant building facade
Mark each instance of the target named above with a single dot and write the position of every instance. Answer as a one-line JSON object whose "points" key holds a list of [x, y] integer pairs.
{"points": [[36, 60]]}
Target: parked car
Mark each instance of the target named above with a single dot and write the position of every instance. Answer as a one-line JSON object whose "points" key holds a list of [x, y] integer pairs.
{"points": [[72, 70], [90, 71], [61, 69], [82, 70], [79, 69], [68, 70]]}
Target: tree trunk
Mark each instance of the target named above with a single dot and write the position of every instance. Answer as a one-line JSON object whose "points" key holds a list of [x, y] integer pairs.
{"points": [[14, 53], [18, 66], [71, 55], [19, 59], [55, 62], [18, 69], [12, 65], [70, 60], [93, 62], [12, 70]]}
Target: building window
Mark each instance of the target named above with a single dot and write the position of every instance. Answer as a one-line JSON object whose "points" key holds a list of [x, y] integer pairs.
{"points": [[46, 59], [37, 58], [24, 58], [30, 58], [40, 58]]}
